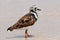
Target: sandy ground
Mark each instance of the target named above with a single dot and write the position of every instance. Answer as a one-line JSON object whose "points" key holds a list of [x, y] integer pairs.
{"points": [[46, 28]]}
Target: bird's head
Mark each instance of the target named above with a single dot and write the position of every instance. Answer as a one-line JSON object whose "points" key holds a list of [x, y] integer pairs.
{"points": [[34, 8]]}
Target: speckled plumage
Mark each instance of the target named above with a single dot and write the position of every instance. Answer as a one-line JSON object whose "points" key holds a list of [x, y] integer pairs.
{"points": [[27, 20]]}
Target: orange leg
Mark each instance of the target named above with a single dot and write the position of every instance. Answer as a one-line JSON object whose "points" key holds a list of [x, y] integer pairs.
{"points": [[26, 33]]}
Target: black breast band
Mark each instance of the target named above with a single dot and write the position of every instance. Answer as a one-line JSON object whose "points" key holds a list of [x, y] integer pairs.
{"points": [[34, 16]]}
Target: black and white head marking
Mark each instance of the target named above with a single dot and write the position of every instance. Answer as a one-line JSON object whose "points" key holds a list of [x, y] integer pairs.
{"points": [[34, 10]]}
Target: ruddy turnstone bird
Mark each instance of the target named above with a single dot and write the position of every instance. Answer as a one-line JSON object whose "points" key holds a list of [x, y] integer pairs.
{"points": [[27, 20]]}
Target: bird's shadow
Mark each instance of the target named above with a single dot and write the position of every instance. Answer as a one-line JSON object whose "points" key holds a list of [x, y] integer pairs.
{"points": [[19, 36]]}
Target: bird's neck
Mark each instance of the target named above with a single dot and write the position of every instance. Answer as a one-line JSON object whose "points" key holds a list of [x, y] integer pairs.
{"points": [[34, 13]]}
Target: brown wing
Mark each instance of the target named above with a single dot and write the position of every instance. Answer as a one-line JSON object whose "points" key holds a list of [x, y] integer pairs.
{"points": [[26, 20]]}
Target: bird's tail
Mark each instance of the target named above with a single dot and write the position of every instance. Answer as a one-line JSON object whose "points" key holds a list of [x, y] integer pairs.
{"points": [[15, 26]]}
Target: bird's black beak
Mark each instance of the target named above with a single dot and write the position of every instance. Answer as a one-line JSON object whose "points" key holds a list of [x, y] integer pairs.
{"points": [[39, 9]]}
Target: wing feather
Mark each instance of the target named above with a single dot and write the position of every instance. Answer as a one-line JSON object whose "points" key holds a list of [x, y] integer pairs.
{"points": [[26, 20]]}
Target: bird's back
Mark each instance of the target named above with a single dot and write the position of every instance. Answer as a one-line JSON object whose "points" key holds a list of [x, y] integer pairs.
{"points": [[26, 21]]}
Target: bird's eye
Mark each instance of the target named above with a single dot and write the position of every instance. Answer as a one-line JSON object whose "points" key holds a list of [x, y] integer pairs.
{"points": [[35, 9]]}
